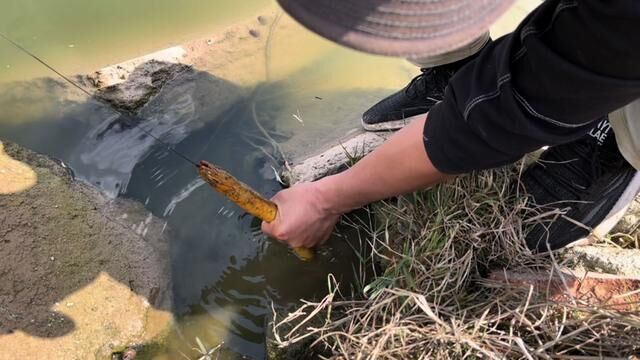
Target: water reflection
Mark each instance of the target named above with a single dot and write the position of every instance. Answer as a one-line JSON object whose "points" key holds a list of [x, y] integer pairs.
{"points": [[225, 273], [112, 149]]}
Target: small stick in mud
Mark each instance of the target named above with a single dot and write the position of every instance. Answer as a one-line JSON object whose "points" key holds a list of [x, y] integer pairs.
{"points": [[245, 197]]}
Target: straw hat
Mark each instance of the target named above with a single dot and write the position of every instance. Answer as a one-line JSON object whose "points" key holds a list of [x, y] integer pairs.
{"points": [[398, 27]]}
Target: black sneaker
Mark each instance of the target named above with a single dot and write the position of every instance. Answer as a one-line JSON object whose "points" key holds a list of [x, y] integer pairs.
{"points": [[587, 183], [417, 98]]}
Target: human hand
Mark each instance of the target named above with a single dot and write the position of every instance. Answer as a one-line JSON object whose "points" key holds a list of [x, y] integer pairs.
{"points": [[305, 219]]}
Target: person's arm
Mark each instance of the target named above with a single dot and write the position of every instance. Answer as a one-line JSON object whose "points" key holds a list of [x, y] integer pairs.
{"points": [[544, 84], [307, 212]]}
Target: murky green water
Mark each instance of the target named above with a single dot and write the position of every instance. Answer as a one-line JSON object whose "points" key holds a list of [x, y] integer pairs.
{"points": [[78, 36], [225, 273]]}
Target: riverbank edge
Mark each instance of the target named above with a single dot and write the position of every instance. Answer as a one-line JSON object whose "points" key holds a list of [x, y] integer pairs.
{"points": [[82, 245]]}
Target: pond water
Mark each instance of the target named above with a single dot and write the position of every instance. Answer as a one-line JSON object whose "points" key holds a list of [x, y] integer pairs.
{"points": [[78, 36], [225, 273]]}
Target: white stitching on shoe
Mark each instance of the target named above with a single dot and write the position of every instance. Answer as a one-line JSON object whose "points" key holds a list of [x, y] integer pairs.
{"points": [[486, 96], [531, 111]]}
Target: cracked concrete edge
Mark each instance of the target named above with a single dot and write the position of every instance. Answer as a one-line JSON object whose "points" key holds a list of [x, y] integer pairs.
{"points": [[132, 83], [605, 259], [333, 158], [219, 52], [118, 73], [630, 222]]}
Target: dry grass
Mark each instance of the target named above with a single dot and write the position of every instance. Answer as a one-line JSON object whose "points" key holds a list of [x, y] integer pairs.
{"points": [[427, 298]]}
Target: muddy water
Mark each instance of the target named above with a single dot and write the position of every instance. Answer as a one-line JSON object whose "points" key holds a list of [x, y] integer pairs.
{"points": [[226, 275], [79, 36]]}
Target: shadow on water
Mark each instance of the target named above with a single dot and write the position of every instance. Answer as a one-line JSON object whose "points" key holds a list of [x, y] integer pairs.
{"points": [[225, 272]]}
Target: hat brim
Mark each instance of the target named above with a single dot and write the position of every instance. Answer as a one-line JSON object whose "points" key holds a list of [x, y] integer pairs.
{"points": [[398, 28]]}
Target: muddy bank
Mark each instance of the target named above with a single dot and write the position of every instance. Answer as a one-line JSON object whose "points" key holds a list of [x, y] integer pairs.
{"points": [[241, 53], [82, 275]]}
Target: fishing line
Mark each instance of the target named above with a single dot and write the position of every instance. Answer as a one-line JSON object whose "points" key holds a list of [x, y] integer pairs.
{"points": [[101, 101]]}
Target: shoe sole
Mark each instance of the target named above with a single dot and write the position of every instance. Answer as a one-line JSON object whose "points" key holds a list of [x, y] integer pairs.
{"points": [[616, 213], [391, 125]]}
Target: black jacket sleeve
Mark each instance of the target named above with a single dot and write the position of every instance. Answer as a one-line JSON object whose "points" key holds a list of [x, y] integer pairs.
{"points": [[567, 65]]}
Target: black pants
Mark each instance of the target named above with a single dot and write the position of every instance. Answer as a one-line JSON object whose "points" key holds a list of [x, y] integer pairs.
{"points": [[569, 63]]}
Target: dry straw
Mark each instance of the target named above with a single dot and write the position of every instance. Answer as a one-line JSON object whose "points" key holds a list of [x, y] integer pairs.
{"points": [[428, 299]]}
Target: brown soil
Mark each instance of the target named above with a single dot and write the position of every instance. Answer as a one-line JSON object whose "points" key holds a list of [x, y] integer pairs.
{"points": [[616, 292]]}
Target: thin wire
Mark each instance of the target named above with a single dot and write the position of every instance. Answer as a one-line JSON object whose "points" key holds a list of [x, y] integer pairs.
{"points": [[75, 84]]}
